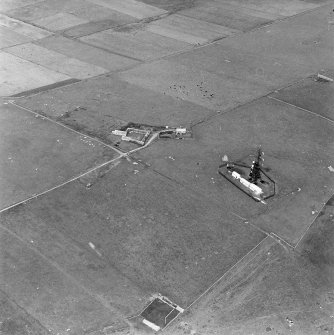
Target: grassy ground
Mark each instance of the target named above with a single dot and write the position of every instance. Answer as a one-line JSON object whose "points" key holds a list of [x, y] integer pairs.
{"points": [[89, 233], [279, 292]]}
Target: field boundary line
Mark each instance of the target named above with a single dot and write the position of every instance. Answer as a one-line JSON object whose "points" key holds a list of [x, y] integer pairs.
{"points": [[65, 126], [301, 108], [311, 224], [105, 303], [62, 184], [120, 156], [227, 272]]}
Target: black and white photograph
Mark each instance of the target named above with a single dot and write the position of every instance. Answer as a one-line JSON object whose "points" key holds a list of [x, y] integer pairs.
{"points": [[167, 167]]}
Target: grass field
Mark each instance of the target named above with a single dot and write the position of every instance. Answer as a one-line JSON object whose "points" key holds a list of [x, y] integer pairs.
{"points": [[91, 231]]}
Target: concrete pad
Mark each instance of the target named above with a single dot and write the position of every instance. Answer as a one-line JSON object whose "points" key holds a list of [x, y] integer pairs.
{"points": [[9, 37], [156, 233], [229, 16], [229, 62], [86, 53], [59, 21], [56, 61], [136, 43], [298, 150], [198, 86], [38, 155], [133, 8], [23, 28], [102, 104], [19, 75], [282, 7], [11, 4], [188, 30], [317, 97], [56, 300], [286, 41]]}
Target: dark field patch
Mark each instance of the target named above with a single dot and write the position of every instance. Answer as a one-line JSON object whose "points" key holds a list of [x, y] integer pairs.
{"points": [[159, 235], [315, 96]]}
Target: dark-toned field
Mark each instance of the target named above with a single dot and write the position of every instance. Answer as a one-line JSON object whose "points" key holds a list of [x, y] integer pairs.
{"points": [[92, 230]]}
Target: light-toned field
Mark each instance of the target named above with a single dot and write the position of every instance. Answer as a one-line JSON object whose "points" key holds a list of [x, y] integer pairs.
{"points": [[90, 231]]}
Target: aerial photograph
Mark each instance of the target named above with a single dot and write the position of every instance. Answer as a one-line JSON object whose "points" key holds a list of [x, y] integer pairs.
{"points": [[167, 167]]}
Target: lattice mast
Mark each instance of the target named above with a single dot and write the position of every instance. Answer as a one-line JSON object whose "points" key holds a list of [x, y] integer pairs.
{"points": [[255, 172]]}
